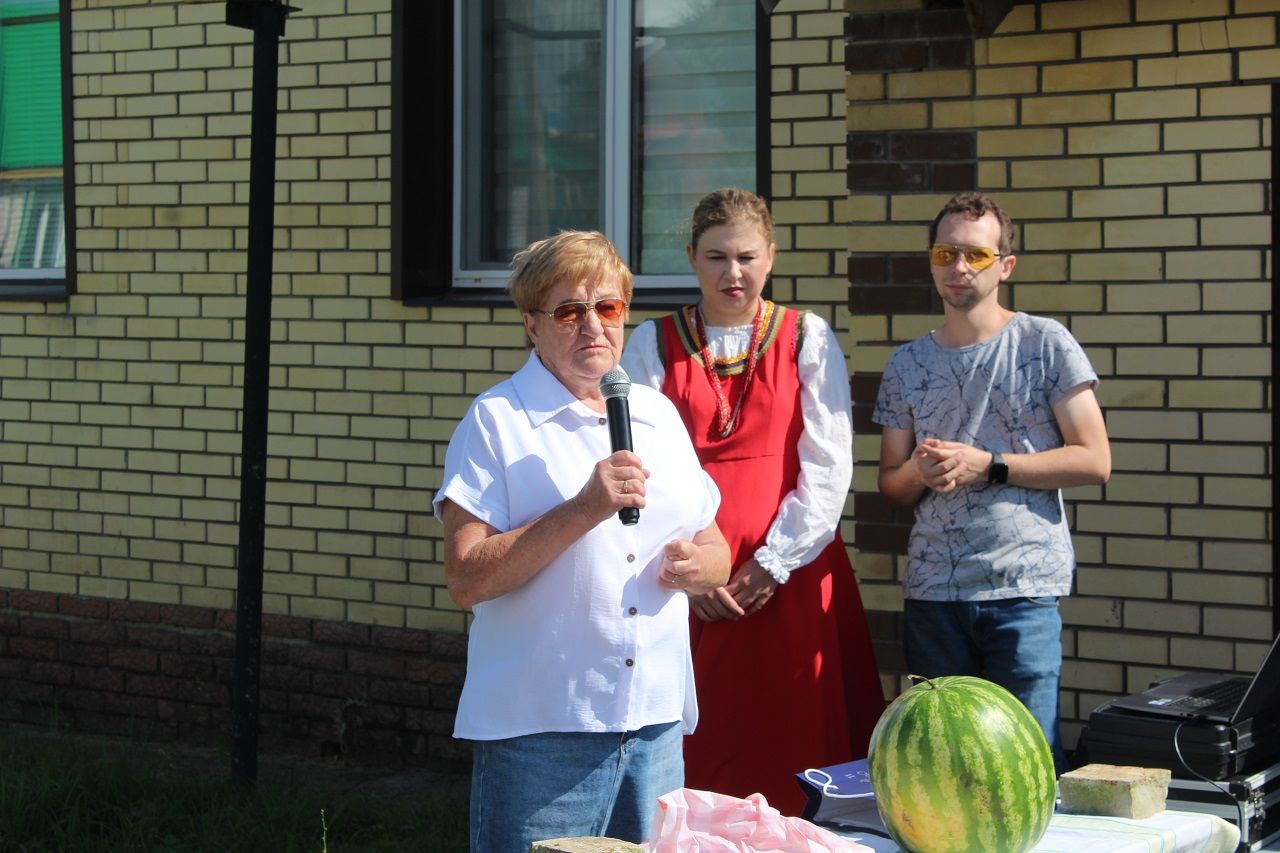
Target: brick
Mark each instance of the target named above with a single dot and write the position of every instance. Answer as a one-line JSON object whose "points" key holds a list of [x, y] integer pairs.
{"points": [[864, 87], [1207, 135], [1062, 235], [1237, 426], [1225, 198], [1088, 76], [1082, 14], [1057, 299], [1162, 103], [1235, 100], [1256, 64], [1105, 203], [1161, 616], [864, 117], [1127, 41], [1021, 142], [1104, 789], [1238, 491], [1035, 48], [1230, 34], [1158, 361], [1238, 556], [1149, 169], [1216, 459], [1152, 521], [1183, 71], [1235, 166], [1166, 10], [1004, 81], [1214, 264], [930, 84], [1155, 553], [1113, 139], [1072, 172], [1139, 233], [1226, 329], [1066, 109], [1217, 587], [974, 114], [1215, 394], [1133, 393], [1136, 648]]}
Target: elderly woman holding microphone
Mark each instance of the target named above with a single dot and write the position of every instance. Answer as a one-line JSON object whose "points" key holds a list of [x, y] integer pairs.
{"points": [[579, 682]]}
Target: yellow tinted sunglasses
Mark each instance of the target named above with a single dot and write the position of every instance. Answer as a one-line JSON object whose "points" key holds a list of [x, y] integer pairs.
{"points": [[977, 257]]}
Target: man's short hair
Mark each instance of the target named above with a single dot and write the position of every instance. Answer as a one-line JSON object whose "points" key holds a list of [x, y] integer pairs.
{"points": [[975, 205]]}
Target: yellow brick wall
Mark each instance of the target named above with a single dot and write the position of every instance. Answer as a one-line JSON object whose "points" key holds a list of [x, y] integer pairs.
{"points": [[1131, 142], [121, 406]]}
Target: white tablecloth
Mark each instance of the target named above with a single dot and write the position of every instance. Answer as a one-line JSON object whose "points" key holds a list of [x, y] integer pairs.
{"points": [[1167, 832]]}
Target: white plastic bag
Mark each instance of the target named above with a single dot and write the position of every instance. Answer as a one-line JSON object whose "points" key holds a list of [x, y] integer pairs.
{"points": [[692, 821]]}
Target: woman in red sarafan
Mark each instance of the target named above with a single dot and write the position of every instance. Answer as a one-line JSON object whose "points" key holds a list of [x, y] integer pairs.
{"points": [[783, 662]]}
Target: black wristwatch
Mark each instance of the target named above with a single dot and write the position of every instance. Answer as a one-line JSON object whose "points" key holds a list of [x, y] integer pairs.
{"points": [[999, 471]]}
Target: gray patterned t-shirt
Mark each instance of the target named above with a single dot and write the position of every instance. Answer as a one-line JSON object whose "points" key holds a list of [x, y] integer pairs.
{"points": [[986, 541]]}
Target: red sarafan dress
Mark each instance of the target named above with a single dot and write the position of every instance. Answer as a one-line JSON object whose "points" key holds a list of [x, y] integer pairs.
{"points": [[795, 685]]}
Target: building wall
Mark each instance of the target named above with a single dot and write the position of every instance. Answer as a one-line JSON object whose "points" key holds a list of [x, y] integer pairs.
{"points": [[119, 461], [1130, 138], [1131, 141]]}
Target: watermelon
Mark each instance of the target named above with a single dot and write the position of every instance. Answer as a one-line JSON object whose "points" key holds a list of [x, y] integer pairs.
{"points": [[959, 765]]}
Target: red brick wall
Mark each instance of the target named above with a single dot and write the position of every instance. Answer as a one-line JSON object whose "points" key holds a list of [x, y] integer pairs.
{"points": [[164, 672]]}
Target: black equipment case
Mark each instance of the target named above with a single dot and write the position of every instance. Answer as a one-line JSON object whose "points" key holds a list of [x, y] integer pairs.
{"points": [[1215, 750], [1252, 803]]}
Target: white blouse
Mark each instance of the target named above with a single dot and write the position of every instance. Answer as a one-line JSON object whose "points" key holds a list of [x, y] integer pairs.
{"points": [[808, 516], [592, 642]]}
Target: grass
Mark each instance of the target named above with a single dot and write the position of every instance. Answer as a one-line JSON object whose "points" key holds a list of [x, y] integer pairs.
{"points": [[56, 795]]}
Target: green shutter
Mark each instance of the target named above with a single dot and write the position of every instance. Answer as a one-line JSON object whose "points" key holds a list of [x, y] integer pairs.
{"points": [[30, 88]]}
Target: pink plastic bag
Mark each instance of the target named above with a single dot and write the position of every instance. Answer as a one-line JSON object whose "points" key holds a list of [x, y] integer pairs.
{"points": [[692, 821]]}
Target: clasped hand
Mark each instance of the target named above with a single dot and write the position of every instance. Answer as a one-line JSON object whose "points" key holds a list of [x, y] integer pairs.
{"points": [[747, 591], [945, 465]]}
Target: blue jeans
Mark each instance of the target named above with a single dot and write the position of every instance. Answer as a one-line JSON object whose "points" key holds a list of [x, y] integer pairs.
{"points": [[566, 784], [1015, 642]]}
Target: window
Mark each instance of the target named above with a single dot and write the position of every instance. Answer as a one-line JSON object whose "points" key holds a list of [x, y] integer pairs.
{"points": [[35, 238], [615, 115]]}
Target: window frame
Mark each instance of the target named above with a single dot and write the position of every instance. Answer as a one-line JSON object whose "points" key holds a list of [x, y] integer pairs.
{"points": [[427, 266], [39, 285]]}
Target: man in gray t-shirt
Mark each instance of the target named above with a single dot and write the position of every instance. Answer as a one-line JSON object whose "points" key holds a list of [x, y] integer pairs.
{"points": [[984, 420]]}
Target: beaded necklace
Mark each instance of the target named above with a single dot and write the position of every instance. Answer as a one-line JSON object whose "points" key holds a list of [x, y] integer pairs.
{"points": [[727, 422]]}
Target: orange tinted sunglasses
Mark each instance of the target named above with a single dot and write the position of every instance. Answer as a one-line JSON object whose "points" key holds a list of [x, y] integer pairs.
{"points": [[977, 257], [610, 311]]}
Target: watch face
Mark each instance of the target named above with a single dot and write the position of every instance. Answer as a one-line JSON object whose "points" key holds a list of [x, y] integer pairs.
{"points": [[999, 471]]}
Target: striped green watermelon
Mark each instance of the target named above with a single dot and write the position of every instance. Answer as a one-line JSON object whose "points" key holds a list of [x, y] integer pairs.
{"points": [[959, 765]]}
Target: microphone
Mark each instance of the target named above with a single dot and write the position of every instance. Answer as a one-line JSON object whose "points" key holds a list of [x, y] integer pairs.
{"points": [[615, 386]]}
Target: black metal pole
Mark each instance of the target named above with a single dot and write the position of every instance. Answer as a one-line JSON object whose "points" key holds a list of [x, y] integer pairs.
{"points": [[266, 18]]}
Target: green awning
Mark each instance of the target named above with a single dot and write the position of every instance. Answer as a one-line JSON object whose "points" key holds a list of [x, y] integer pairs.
{"points": [[30, 85]]}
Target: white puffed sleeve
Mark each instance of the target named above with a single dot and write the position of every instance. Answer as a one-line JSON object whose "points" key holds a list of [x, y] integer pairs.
{"points": [[640, 356], [808, 517]]}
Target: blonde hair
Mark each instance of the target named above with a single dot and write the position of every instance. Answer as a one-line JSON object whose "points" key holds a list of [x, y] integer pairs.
{"points": [[729, 206], [576, 256]]}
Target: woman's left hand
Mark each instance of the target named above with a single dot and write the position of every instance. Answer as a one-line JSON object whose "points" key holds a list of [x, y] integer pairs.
{"points": [[751, 586], [695, 566]]}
